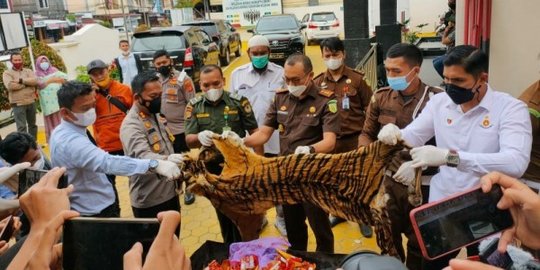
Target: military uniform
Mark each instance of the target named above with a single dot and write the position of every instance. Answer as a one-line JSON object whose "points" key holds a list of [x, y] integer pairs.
{"points": [[147, 136], [531, 97], [353, 96], [177, 91], [389, 106], [302, 122], [231, 112]]}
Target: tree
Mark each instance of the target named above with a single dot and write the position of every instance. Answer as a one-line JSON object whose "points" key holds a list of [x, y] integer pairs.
{"points": [[184, 4]]}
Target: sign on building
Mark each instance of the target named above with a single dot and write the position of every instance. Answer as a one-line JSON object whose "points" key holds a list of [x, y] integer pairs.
{"points": [[248, 12], [12, 31]]}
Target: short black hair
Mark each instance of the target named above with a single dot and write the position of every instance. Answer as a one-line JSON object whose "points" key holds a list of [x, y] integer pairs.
{"points": [[13, 54], [160, 53], [123, 41], [209, 68], [15, 146], [472, 59], [334, 44], [71, 90], [409, 52], [138, 83], [300, 58]]}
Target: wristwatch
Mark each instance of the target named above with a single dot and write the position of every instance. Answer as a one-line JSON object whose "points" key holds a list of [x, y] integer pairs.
{"points": [[152, 165], [452, 159], [311, 149]]}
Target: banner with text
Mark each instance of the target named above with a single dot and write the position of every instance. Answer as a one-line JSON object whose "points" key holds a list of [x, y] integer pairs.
{"points": [[248, 12]]}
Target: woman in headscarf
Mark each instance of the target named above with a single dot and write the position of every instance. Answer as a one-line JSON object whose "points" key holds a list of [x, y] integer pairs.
{"points": [[50, 81]]}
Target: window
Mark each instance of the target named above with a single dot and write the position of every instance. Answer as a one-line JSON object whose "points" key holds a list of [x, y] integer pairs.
{"points": [[3, 4], [43, 3]]}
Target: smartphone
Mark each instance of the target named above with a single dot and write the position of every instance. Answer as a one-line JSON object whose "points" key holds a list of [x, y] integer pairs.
{"points": [[29, 177], [7, 231], [100, 243], [445, 226], [492, 256]]}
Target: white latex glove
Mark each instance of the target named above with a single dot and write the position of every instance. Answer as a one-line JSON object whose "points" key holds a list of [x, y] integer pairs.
{"points": [[428, 155], [205, 137], [405, 174], [8, 172], [302, 150], [168, 169], [232, 135], [389, 134], [176, 158]]}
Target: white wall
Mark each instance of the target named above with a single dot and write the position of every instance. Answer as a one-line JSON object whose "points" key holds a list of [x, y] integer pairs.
{"points": [[91, 42], [426, 11], [515, 45]]}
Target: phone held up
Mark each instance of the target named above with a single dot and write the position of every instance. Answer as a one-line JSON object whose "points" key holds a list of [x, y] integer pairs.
{"points": [[448, 225], [29, 177]]}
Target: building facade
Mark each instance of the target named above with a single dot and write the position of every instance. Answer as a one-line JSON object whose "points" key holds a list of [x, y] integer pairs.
{"points": [[52, 9]]}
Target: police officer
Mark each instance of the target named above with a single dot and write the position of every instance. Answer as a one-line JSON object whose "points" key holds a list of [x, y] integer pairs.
{"points": [[307, 120], [215, 112], [352, 94], [399, 103], [178, 89], [531, 97], [145, 135]]}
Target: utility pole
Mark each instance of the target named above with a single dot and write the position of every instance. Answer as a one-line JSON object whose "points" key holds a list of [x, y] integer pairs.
{"points": [[126, 30]]}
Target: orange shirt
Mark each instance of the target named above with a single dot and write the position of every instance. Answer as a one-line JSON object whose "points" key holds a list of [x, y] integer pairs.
{"points": [[109, 118]]}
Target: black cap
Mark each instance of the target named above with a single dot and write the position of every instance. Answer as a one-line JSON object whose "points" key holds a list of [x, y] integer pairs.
{"points": [[95, 64]]}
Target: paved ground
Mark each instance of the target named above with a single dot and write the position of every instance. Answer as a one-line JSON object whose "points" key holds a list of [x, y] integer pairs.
{"points": [[199, 221]]}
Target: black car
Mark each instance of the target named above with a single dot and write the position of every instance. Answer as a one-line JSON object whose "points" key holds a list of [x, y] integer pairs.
{"points": [[190, 48], [284, 33], [224, 35]]}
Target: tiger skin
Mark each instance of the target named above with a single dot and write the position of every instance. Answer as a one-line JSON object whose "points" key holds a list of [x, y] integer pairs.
{"points": [[347, 185]]}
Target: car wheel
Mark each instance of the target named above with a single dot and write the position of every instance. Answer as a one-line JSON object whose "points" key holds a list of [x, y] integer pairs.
{"points": [[226, 59], [238, 52]]}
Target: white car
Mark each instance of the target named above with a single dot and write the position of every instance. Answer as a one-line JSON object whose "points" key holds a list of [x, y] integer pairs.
{"points": [[320, 25]]}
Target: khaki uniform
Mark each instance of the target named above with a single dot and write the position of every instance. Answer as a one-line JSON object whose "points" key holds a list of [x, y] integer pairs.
{"points": [[146, 136], [531, 97], [177, 91], [389, 106], [302, 122], [353, 96], [231, 112]]}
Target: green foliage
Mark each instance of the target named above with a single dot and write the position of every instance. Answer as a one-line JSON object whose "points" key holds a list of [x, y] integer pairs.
{"points": [[408, 35], [106, 24], [142, 27], [184, 4], [71, 17], [38, 49], [82, 74]]}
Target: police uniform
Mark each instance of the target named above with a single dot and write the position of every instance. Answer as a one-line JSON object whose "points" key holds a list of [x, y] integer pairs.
{"points": [[231, 112], [302, 122], [177, 91], [146, 136], [353, 96], [531, 97], [389, 106]]}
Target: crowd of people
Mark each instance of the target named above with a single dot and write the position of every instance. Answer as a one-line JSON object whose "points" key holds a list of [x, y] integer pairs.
{"points": [[140, 126]]}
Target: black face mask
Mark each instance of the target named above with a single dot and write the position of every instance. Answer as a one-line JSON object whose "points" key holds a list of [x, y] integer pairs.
{"points": [[460, 95], [154, 106], [165, 70]]}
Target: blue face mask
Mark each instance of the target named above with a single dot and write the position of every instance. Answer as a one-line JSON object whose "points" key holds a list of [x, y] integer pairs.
{"points": [[259, 61], [399, 83]]}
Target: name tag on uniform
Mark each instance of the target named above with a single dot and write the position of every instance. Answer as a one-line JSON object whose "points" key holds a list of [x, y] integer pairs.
{"points": [[283, 112], [202, 115], [172, 95]]}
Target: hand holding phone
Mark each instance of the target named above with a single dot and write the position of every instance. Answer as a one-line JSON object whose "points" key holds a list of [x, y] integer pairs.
{"points": [[29, 177], [7, 229]]}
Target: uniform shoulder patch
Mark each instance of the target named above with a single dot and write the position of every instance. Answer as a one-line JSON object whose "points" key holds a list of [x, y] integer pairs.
{"points": [[195, 100], [332, 106], [282, 90], [326, 93]]}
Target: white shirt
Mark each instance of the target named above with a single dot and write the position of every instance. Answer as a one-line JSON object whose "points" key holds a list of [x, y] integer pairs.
{"points": [[260, 90], [493, 136], [129, 68]]}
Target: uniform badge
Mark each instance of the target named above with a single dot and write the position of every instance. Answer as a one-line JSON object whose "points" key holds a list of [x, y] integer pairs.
{"points": [[449, 121], [348, 81], [173, 81], [147, 124], [486, 123], [247, 107], [332, 106], [281, 128], [187, 114], [156, 147], [323, 85], [312, 109], [283, 108]]}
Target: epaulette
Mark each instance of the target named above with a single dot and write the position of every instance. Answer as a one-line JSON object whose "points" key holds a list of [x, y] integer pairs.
{"points": [[382, 89], [326, 93], [235, 96], [282, 91], [195, 100], [316, 77], [361, 72]]}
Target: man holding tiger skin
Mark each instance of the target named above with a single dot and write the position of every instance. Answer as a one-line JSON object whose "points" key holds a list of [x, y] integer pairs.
{"points": [[307, 121]]}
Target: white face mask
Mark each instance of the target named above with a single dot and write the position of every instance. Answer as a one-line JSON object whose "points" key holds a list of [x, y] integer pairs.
{"points": [[39, 164], [333, 63], [85, 119], [296, 90], [213, 94], [44, 65]]}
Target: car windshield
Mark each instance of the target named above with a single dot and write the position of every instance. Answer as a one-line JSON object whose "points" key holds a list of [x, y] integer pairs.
{"points": [[161, 41], [208, 27], [277, 23], [322, 17]]}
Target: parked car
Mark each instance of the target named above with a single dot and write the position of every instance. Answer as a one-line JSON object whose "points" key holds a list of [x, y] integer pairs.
{"points": [[320, 25], [284, 33], [224, 35], [190, 48]]}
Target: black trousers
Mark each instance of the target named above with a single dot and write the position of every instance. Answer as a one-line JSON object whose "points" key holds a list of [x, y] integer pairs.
{"points": [[295, 223], [179, 144], [112, 179], [110, 211], [151, 212]]}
